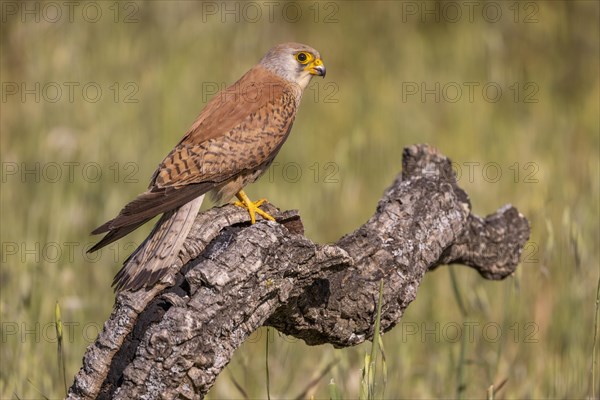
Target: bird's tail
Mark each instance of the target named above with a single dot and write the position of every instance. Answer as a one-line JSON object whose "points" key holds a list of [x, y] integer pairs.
{"points": [[153, 258]]}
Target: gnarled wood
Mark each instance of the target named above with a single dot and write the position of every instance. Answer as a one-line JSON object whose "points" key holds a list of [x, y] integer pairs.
{"points": [[176, 338]]}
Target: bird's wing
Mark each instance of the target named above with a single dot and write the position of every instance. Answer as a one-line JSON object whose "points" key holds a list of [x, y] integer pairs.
{"points": [[237, 131], [143, 208], [229, 107]]}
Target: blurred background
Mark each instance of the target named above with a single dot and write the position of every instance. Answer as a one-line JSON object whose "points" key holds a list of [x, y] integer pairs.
{"points": [[95, 94]]}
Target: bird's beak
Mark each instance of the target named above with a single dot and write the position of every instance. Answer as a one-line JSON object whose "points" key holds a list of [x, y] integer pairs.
{"points": [[316, 67]]}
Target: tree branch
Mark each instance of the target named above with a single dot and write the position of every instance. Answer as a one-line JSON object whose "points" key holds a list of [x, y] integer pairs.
{"points": [[232, 278]]}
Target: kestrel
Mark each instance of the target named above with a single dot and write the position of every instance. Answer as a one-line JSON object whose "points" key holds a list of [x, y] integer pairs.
{"points": [[232, 143]]}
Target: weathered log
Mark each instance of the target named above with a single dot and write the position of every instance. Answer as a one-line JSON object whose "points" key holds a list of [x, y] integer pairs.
{"points": [[232, 278]]}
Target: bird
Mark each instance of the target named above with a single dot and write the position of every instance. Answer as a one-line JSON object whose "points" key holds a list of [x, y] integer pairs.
{"points": [[232, 142]]}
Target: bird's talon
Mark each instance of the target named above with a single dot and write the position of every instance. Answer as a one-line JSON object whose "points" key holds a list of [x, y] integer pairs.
{"points": [[252, 207], [260, 202], [264, 214]]}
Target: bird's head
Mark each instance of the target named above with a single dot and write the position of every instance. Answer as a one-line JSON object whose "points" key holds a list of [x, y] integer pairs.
{"points": [[294, 62]]}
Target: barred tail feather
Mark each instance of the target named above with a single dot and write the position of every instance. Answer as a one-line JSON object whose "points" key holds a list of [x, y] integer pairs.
{"points": [[154, 258]]}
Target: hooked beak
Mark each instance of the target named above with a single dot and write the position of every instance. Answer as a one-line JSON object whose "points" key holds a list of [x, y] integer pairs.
{"points": [[316, 68]]}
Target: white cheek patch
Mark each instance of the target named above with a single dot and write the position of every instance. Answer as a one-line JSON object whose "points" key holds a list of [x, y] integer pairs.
{"points": [[290, 69], [304, 79]]}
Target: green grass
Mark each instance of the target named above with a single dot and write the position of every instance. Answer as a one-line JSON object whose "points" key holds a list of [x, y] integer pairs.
{"points": [[374, 376], [547, 152]]}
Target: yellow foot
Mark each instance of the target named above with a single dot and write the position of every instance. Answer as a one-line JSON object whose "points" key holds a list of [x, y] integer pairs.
{"points": [[252, 207]]}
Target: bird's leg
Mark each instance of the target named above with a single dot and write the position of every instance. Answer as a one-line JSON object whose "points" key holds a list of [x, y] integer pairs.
{"points": [[252, 206]]}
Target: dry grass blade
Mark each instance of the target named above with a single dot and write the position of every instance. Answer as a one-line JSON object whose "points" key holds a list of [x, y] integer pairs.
{"points": [[492, 390], [237, 385], [594, 360], [316, 380], [501, 385], [37, 389]]}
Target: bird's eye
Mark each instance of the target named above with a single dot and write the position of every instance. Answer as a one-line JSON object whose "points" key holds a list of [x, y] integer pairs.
{"points": [[302, 57]]}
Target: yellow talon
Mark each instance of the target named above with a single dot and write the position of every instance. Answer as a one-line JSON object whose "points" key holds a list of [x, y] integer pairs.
{"points": [[252, 207]]}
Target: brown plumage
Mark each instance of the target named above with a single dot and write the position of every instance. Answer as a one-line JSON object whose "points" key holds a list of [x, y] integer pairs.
{"points": [[231, 143]]}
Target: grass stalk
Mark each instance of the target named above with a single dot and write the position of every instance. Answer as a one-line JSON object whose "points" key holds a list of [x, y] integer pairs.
{"points": [[369, 376], [595, 342], [267, 364], [60, 349], [460, 386]]}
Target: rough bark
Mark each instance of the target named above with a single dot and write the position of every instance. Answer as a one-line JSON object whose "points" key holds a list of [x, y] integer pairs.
{"points": [[233, 277]]}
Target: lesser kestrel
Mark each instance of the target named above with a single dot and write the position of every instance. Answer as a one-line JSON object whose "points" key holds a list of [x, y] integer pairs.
{"points": [[232, 142]]}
